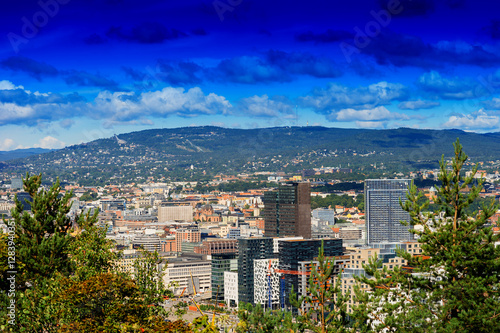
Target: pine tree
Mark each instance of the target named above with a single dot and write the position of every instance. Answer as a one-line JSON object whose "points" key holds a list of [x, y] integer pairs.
{"points": [[453, 286], [42, 236], [324, 309]]}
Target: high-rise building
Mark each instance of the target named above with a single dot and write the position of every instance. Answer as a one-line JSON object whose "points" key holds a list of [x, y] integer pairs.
{"points": [[291, 252], [175, 213], [222, 262], [324, 214], [287, 211], [16, 183], [249, 250], [189, 235], [383, 210], [25, 199], [266, 283]]}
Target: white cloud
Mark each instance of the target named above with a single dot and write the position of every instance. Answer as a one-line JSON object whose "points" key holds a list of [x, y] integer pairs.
{"points": [[494, 104], [7, 85], [371, 124], [337, 97], [13, 113], [478, 120], [7, 144], [447, 88], [126, 106], [417, 105], [375, 114], [263, 106], [49, 142], [66, 123]]}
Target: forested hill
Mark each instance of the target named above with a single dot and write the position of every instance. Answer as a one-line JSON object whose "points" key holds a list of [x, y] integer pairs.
{"points": [[211, 150], [21, 153]]}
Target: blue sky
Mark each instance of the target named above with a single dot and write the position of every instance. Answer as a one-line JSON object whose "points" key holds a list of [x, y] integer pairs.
{"points": [[73, 71]]}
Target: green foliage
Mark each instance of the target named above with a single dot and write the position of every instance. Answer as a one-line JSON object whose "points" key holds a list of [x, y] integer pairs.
{"points": [[254, 319], [91, 252], [454, 285], [148, 275], [324, 309], [66, 283], [334, 200], [42, 237], [202, 325], [106, 303]]}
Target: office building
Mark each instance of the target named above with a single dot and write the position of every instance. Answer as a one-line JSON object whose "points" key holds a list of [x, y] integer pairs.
{"points": [[187, 235], [383, 210], [25, 199], [249, 250], [231, 289], [217, 246], [267, 283], [182, 213], [223, 262], [324, 214], [16, 183], [188, 275], [291, 252], [113, 204], [287, 211]]}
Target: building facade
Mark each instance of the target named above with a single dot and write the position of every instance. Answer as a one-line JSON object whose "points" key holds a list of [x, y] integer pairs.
{"points": [[217, 246], [249, 250], [182, 274], [287, 211], [267, 283], [292, 252], [189, 235], [175, 213], [231, 288], [324, 214], [383, 210], [221, 263]]}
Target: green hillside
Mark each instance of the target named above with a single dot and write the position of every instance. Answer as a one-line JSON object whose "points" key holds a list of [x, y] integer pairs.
{"points": [[211, 150]]}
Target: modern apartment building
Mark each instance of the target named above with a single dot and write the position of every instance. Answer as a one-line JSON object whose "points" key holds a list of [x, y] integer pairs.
{"points": [[249, 250], [383, 210], [287, 211]]}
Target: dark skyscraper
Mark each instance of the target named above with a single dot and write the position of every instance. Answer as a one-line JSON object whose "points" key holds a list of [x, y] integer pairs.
{"points": [[383, 211], [249, 250], [293, 251], [287, 211]]}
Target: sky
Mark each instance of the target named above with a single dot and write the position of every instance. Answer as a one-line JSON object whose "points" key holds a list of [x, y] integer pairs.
{"points": [[73, 71]]}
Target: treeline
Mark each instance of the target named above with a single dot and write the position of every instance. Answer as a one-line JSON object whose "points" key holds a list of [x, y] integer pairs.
{"points": [[338, 200]]}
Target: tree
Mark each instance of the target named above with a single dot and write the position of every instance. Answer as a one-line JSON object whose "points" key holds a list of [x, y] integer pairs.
{"points": [[453, 286], [109, 303], [91, 253], [42, 237], [255, 319], [324, 309], [148, 275]]}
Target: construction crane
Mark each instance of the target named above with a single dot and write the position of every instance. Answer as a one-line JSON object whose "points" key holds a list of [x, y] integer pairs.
{"points": [[269, 284], [282, 282], [283, 271]]}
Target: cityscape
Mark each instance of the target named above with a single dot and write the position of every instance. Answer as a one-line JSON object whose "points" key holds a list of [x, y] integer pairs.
{"points": [[245, 166]]}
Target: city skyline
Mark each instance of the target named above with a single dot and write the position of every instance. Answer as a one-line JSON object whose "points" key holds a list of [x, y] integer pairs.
{"points": [[74, 71]]}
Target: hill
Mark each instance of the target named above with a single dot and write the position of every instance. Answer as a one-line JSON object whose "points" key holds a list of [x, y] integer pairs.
{"points": [[211, 150], [21, 153]]}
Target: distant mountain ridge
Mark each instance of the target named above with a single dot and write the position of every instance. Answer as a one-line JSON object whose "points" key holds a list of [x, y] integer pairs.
{"points": [[22, 153], [212, 150]]}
